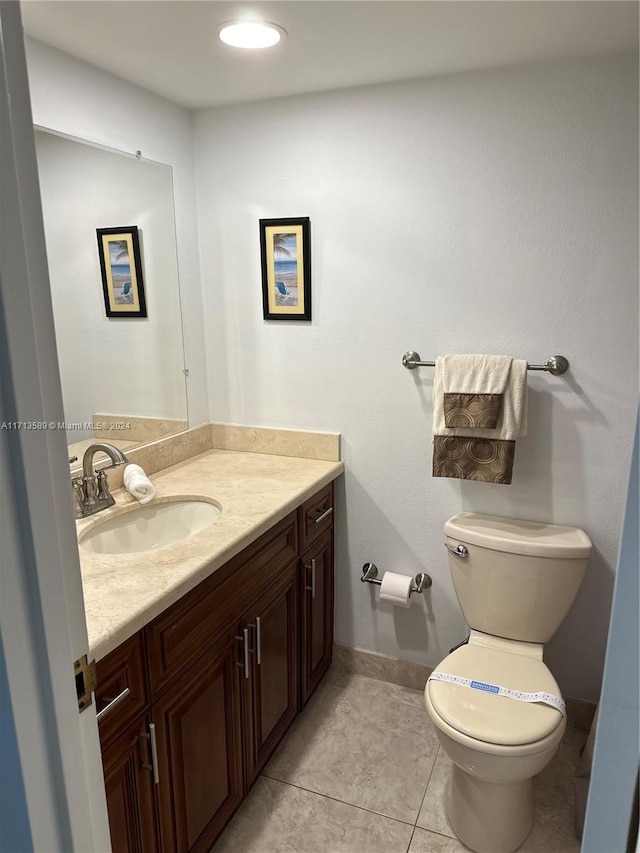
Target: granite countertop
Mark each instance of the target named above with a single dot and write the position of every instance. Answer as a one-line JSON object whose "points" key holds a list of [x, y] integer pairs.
{"points": [[124, 592]]}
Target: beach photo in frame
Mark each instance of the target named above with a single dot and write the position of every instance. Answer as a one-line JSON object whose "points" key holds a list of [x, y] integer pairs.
{"points": [[285, 252], [121, 268]]}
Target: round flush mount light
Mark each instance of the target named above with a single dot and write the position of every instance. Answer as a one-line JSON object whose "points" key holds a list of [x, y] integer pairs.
{"points": [[250, 35]]}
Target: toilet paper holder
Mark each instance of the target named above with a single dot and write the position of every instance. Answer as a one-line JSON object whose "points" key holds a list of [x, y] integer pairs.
{"points": [[421, 581]]}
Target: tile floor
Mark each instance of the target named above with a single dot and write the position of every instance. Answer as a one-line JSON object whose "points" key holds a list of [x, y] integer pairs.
{"points": [[361, 771]]}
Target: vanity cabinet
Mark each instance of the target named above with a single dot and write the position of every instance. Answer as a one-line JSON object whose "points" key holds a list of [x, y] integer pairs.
{"points": [[270, 676], [199, 742], [316, 585], [213, 684], [122, 704], [316, 572], [129, 786]]}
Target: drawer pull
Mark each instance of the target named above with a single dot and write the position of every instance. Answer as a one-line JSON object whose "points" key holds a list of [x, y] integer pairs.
{"points": [[258, 642], [244, 639], [151, 737], [313, 578], [113, 703], [325, 514]]}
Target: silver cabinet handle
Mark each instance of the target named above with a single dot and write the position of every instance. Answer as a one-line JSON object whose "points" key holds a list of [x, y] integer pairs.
{"points": [[323, 515], [258, 641], [154, 753], [245, 635], [244, 638], [113, 703], [458, 551], [151, 737], [313, 578]]}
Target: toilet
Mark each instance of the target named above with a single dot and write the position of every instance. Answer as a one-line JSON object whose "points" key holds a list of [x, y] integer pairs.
{"points": [[515, 582]]}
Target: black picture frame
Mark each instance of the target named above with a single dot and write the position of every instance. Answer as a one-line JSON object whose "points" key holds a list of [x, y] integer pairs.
{"points": [[122, 283], [285, 257]]}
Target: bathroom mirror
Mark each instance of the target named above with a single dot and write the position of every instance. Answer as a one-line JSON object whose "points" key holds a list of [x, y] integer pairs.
{"points": [[123, 378]]}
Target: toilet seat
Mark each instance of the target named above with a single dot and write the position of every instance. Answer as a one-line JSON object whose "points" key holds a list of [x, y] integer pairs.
{"points": [[489, 718]]}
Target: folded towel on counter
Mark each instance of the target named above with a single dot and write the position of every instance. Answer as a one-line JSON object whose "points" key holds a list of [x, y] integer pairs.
{"points": [[480, 453], [474, 387], [138, 484]]}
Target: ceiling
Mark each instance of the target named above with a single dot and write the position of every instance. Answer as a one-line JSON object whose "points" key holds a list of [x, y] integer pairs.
{"points": [[170, 46]]}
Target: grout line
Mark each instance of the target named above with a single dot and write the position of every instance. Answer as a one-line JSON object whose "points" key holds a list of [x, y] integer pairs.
{"points": [[411, 839], [336, 800], [427, 786], [442, 834]]}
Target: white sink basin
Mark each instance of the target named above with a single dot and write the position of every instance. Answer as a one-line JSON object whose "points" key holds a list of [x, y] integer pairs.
{"points": [[147, 528]]}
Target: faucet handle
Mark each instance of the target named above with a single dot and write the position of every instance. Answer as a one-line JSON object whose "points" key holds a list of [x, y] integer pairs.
{"points": [[78, 495], [103, 483]]}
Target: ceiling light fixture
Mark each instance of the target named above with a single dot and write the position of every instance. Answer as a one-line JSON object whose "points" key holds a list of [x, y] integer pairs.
{"points": [[250, 35]]}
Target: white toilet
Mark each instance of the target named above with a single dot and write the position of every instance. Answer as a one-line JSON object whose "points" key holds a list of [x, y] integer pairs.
{"points": [[515, 581]]}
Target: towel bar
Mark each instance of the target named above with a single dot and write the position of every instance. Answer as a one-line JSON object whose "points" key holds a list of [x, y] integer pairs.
{"points": [[557, 364]]}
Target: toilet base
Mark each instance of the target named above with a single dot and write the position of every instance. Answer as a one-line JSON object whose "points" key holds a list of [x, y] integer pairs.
{"points": [[489, 817]]}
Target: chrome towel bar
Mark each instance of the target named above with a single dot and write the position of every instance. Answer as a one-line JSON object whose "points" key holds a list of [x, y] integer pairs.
{"points": [[557, 364]]}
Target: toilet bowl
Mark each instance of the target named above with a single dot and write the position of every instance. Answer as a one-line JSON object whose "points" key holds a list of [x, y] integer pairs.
{"points": [[515, 582], [497, 744]]}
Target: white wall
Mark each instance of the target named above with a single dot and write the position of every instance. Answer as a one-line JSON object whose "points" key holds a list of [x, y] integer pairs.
{"points": [[78, 99], [486, 212], [119, 366]]}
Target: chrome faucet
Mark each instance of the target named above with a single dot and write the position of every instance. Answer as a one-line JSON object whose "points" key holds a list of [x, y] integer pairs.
{"points": [[91, 491]]}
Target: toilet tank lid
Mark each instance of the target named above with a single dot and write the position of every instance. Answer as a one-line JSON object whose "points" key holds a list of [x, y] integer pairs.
{"points": [[529, 538]]}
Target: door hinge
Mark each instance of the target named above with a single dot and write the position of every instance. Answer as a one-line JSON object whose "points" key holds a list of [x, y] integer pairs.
{"points": [[86, 681]]}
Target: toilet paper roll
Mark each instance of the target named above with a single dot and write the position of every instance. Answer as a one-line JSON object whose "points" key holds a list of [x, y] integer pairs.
{"points": [[396, 589]]}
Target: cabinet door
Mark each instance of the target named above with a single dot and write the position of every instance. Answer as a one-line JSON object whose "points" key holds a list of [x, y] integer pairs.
{"points": [[316, 568], [128, 778], [199, 739], [271, 690]]}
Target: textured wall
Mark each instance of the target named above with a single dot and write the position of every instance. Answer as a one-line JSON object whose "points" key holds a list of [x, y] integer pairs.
{"points": [[489, 212]]}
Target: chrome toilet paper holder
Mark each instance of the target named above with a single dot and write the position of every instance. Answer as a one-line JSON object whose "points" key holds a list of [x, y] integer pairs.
{"points": [[421, 581]]}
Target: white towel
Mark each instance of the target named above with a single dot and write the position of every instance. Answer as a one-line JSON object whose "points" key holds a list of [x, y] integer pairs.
{"points": [[512, 421], [138, 484], [475, 374], [474, 387]]}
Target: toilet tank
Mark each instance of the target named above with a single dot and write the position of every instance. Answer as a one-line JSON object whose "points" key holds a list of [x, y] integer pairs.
{"points": [[520, 577]]}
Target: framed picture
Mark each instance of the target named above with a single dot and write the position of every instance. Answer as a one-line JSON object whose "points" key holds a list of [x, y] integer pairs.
{"points": [[285, 252], [121, 267]]}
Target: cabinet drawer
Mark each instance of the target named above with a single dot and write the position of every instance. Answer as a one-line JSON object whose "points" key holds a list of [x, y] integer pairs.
{"points": [[180, 635], [316, 516], [121, 671]]}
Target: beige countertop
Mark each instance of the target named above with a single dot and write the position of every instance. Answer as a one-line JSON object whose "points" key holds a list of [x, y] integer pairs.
{"points": [[122, 593]]}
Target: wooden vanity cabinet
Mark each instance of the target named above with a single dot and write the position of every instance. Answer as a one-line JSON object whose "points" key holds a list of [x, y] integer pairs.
{"points": [[129, 787], [316, 581], [219, 677], [271, 680], [316, 588], [199, 742], [123, 723]]}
